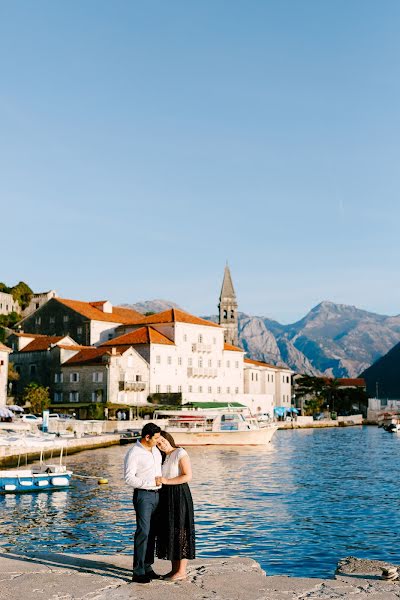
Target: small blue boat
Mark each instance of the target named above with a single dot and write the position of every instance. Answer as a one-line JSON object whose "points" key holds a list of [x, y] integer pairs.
{"points": [[41, 478]]}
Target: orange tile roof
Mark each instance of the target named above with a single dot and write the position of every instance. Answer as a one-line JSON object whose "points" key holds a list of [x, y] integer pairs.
{"points": [[41, 343], [143, 335], [125, 316], [72, 347], [259, 363], [174, 315], [358, 381], [87, 355], [232, 348], [31, 335]]}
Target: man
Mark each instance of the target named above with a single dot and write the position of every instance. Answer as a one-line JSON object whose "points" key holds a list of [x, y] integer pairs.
{"points": [[142, 469]]}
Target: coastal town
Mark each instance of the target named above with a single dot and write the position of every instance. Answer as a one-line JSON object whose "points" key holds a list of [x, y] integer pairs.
{"points": [[199, 331]]}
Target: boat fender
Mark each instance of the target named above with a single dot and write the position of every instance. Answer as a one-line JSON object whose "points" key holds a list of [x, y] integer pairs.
{"points": [[59, 481], [42, 482], [10, 487], [26, 483]]}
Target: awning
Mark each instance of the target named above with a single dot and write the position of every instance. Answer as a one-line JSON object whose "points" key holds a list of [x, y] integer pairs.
{"points": [[280, 411], [293, 410], [214, 405]]}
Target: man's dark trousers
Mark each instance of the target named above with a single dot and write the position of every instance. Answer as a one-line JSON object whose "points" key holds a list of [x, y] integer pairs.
{"points": [[145, 503]]}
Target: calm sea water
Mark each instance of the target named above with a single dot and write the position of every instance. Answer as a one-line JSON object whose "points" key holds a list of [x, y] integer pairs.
{"points": [[311, 498]]}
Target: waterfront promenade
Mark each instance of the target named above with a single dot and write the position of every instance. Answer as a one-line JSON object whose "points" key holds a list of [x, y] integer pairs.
{"points": [[95, 577]]}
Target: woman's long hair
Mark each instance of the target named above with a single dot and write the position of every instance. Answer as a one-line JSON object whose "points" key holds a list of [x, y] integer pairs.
{"points": [[167, 436]]}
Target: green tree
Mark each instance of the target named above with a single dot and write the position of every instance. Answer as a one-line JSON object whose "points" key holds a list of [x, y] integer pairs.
{"points": [[22, 294], [37, 397]]}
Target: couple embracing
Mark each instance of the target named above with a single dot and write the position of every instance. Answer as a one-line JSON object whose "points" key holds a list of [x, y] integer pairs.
{"points": [[159, 471]]}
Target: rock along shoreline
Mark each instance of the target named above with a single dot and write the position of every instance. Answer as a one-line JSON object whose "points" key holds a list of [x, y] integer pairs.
{"points": [[59, 576]]}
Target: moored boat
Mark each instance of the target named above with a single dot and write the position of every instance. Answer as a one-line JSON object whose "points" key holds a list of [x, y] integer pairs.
{"points": [[221, 428], [39, 478]]}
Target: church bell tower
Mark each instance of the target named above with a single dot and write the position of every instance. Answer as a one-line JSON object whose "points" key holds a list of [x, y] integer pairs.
{"points": [[228, 314]]}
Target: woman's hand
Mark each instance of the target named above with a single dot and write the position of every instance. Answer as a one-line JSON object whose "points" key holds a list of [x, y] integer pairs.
{"points": [[163, 480]]}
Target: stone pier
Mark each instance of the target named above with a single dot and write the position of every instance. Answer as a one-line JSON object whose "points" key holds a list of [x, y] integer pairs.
{"points": [[93, 577]]}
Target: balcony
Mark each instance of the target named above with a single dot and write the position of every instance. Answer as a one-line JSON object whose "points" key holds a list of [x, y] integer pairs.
{"points": [[201, 347], [201, 372], [132, 386]]}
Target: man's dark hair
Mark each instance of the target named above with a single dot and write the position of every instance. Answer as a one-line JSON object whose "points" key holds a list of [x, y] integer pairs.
{"points": [[150, 429]]}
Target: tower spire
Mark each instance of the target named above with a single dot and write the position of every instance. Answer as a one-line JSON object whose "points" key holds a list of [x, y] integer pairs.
{"points": [[227, 307]]}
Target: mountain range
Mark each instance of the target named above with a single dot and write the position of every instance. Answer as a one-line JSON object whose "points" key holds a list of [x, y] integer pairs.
{"points": [[336, 340]]}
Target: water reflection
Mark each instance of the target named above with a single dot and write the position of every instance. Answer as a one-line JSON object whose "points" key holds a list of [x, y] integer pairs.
{"points": [[297, 507]]}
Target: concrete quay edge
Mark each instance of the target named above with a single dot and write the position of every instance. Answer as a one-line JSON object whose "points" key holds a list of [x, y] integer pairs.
{"points": [[9, 455], [56, 576]]}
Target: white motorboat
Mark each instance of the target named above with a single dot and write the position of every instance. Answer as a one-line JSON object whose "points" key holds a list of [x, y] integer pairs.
{"points": [[220, 428], [42, 478]]}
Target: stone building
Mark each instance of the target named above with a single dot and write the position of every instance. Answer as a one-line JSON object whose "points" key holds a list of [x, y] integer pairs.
{"points": [[4, 353], [102, 382], [228, 310], [88, 323], [37, 357], [37, 300], [8, 304]]}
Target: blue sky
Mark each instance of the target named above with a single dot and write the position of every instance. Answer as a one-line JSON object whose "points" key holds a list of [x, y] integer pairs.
{"points": [[143, 144]]}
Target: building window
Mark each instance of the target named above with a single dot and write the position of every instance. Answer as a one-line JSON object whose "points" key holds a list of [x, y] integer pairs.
{"points": [[58, 377], [237, 364], [200, 339], [169, 360], [185, 338], [97, 396], [38, 320], [200, 363], [74, 377], [79, 330], [58, 396], [52, 320], [193, 347], [218, 390], [158, 359], [179, 389], [209, 389], [190, 388], [272, 378], [210, 363], [256, 376], [287, 379], [74, 396], [190, 362], [179, 360], [252, 376], [97, 377], [228, 364], [268, 377], [158, 389], [138, 378], [65, 318], [18, 369], [236, 390], [200, 389], [228, 390], [32, 370], [169, 389]]}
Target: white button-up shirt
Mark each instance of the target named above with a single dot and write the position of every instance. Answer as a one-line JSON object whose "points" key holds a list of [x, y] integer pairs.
{"points": [[142, 466]]}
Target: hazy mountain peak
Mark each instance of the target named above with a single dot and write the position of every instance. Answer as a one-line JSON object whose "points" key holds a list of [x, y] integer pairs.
{"points": [[157, 305]]}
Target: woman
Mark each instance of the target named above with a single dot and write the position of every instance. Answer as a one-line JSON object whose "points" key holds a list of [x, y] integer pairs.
{"points": [[175, 536]]}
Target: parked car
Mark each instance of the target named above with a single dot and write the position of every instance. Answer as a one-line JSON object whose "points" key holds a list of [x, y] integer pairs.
{"points": [[31, 419]]}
